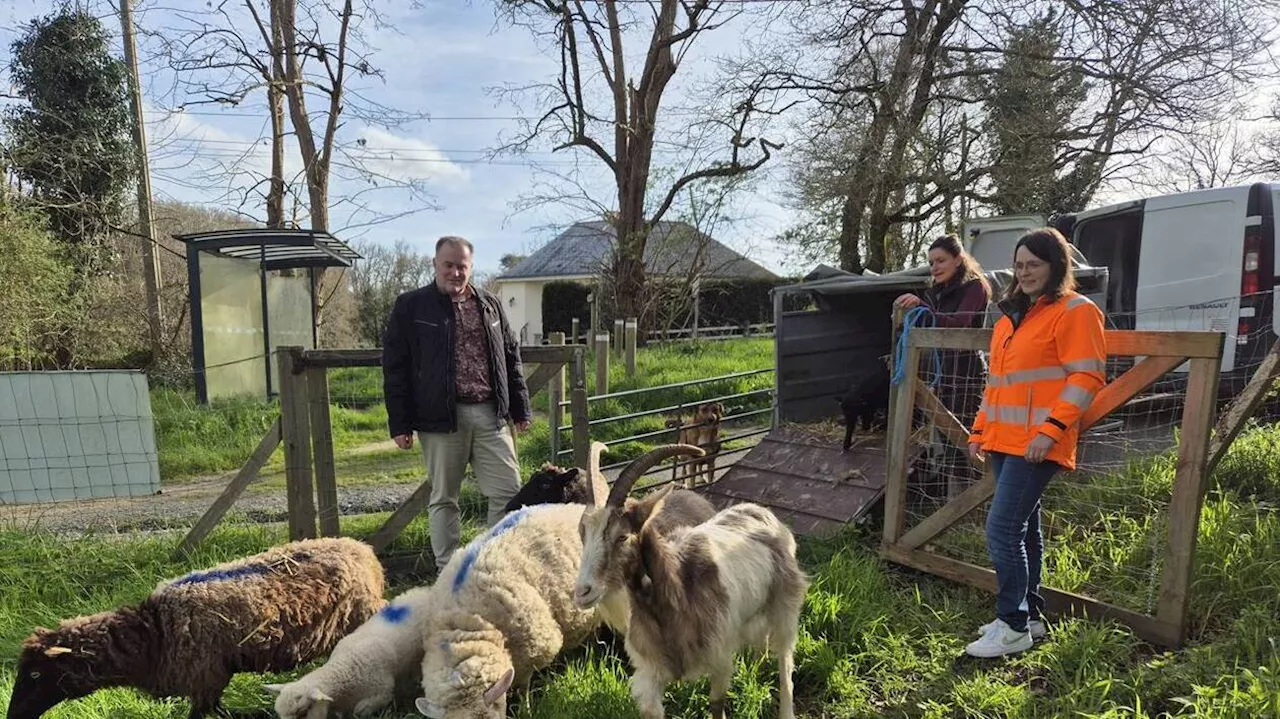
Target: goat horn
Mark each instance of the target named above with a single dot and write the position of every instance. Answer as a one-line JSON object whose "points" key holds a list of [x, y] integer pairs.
{"points": [[622, 485], [595, 478]]}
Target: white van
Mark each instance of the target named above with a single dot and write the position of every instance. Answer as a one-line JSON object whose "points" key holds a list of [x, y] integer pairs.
{"points": [[1202, 260]]}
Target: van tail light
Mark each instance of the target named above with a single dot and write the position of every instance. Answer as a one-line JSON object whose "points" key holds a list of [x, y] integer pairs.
{"points": [[1250, 282]]}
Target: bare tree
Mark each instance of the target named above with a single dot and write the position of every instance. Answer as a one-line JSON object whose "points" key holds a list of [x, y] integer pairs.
{"points": [[297, 53], [615, 116], [1149, 69]]}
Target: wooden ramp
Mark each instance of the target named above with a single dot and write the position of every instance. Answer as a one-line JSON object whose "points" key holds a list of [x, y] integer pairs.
{"points": [[805, 479]]}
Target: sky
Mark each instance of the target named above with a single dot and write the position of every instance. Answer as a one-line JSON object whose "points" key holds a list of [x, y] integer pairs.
{"points": [[439, 58], [440, 61]]}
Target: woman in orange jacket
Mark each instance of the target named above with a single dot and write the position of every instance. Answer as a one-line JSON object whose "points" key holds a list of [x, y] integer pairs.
{"points": [[1047, 361]]}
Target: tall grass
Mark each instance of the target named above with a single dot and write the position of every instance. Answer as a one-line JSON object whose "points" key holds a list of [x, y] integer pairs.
{"points": [[876, 640]]}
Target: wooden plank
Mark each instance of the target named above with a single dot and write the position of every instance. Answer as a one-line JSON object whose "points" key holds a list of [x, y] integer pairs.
{"points": [[1126, 387], [322, 447], [555, 395], [533, 354], [1057, 602], [897, 445], [411, 507], [950, 513], [630, 331], [1243, 406], [545, 373], [946, 422], [1114, 395], [1120, 343], [295, 432], [1188, 493], [248, 472], [579, 416], [602, 364]]}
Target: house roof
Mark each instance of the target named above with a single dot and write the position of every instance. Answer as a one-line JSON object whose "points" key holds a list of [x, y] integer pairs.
{"points": [[672, 249]]}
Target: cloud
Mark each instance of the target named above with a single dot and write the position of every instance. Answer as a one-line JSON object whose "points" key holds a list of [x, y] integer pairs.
{"points": [[404, 159]]}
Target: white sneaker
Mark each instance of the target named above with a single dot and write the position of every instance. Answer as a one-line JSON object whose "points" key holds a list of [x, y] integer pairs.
{"points": [[998, 641], [1035, 626]]}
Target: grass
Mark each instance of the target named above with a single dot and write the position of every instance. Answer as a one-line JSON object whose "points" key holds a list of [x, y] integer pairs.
{"points": [[197, 440], [876, 640]]}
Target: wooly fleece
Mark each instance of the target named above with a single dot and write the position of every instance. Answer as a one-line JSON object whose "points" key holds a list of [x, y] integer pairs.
{"points": [[266, 613], [370, 668], [503, 608]]}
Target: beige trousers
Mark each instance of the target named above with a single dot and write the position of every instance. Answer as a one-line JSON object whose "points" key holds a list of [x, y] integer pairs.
{"points": [[485, 442]]}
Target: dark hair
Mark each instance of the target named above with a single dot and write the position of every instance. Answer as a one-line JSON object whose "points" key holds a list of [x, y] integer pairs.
{"points": [[455, 240], [1049, 245], [970, 269]]}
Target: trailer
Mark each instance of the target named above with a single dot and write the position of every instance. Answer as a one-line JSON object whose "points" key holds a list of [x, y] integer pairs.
{"points": [[830, 331]]}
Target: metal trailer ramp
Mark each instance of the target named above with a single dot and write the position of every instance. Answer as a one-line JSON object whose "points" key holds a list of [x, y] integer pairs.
{"points": [[802, 475]]}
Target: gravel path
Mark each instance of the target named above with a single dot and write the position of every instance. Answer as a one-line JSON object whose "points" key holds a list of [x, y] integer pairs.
{"points": [[180, 505]]}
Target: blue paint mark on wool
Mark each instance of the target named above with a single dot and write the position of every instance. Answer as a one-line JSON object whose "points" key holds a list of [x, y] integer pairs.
{"points": [[473, 549], [226, 575], [394, 614], [222, 575]]}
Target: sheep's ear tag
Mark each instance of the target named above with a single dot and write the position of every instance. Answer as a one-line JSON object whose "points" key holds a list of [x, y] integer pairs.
{"points": [[500, 687], [427, 709], [56, 651]]}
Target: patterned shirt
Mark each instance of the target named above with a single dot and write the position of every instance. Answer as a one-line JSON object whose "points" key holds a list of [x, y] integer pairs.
{"points": [[471, 354]]}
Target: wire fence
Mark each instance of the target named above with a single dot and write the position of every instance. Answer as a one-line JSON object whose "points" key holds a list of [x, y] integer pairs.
{"points": [[630, 421], [1104, 525]]}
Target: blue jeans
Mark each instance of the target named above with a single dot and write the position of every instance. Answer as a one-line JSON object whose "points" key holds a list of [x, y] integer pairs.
{"points": [[1014, 541]]}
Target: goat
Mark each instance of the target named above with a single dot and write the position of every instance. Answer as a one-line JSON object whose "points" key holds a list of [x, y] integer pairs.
{"points": [[702, 431], [697, 593]]}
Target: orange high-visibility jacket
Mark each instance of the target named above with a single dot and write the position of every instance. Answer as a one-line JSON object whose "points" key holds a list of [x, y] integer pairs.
{"points": [[1044, 371]]}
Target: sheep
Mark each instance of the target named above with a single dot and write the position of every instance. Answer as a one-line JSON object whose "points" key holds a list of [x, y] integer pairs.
{"points": [[864, 401], [503, 608], [702, 430], [268, 612], [369, 668], [697, 595], [555, 485]]}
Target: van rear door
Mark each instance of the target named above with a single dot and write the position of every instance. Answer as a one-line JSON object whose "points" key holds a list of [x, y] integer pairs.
{"points": [[1189, 268], [991, 239]]}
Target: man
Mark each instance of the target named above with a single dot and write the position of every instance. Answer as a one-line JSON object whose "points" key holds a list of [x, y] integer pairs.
{"points": [[451, 372]]}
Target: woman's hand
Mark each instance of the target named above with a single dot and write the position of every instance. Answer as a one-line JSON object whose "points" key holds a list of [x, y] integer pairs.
{"points": [[906, 301], [1038, 448], [975, 450]]}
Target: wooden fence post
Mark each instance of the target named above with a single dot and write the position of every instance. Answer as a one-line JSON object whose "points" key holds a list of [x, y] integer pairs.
{"points": [[630, 331], [902, 402], [602, 363], [579, 412], [1188, 494], [619, 327], [295, 431], [575, 331], [322, 446], [555, 395]]}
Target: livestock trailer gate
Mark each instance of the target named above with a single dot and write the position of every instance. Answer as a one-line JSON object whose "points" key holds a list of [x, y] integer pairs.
{"points": [[832, 331]]}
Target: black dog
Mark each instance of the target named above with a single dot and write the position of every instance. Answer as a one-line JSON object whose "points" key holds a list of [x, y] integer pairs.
{"points": [[868, 397]]}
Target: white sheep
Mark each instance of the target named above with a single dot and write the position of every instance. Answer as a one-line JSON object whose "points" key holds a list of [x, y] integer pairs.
{"points": [[504, 608], [697, 595], [368, 670]]}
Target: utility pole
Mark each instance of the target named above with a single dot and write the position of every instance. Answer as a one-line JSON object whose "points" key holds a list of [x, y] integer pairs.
{"points": [[151, 268]]}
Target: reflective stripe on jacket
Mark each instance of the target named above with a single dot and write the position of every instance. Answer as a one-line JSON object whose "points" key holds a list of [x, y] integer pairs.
{"points": [[1045, 368]]}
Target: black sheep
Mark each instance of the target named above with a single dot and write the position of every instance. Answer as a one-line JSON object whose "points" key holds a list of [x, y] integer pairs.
{"points": [[862, 402], [553, 485]]}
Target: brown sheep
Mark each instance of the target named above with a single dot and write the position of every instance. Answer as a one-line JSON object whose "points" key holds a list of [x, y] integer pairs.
{"points": [[266, 613]]}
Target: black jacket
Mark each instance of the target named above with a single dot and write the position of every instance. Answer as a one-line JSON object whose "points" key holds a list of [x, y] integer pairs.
{"points": [[418, 368]]}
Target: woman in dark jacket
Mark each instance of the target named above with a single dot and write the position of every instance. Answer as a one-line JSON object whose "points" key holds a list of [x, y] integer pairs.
{"points": [[957, 296]]}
